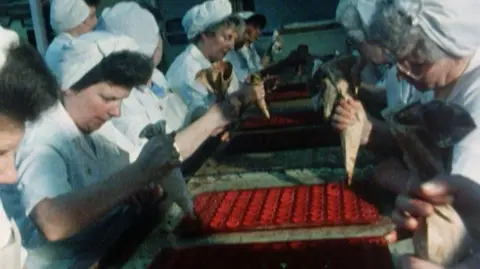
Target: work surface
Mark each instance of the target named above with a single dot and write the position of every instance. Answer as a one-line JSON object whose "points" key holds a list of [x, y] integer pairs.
{"points": [[228, 175], [272, 157]]}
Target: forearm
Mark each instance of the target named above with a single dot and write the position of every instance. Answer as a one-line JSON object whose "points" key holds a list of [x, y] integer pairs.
{"points": [[380, 140], [64, 216], [191, 138]]}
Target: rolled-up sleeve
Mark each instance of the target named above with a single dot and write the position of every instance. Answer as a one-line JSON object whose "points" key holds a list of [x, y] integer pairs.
{"points": [[42, 173]]}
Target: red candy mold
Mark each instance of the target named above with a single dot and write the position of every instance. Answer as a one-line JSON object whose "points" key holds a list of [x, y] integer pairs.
{"points": [[277, 208]]}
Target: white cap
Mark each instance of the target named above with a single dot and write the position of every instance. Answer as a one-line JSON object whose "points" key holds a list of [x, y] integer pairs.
{"points": [[200, 17], [67, 14], [130, 19], [356, 16], [8, 38], [452, 24], [250, 15], [88, 50]]}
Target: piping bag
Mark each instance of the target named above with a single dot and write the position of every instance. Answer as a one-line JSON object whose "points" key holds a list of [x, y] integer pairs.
{"points": [[335, 80], [174, 185], [426, 134]]}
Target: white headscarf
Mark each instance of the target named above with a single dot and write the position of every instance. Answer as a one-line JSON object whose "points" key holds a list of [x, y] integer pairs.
{"points": [[454, 25], [200, 17], [130, 19], [356, 15], [67, 14], [88, 50], [8, 38]]}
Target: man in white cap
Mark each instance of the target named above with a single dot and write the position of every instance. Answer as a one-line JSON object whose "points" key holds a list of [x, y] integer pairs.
{"points": [[244, 57], [69, 19], [212, 30], [21, 100], [73, 184]]}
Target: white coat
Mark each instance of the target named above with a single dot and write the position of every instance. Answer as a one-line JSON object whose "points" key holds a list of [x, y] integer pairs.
{"points": [[245, 61], [467, 94], [55, 158], [12, 254], [55, 51], [181, 77]]}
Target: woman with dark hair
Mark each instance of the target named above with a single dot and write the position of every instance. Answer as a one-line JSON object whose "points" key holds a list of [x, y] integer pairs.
{"points": [[74, 186], [21, 100]]}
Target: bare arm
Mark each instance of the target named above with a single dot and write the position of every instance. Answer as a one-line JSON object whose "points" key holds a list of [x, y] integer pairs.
{"points": [[65, 215], [191, 138]]}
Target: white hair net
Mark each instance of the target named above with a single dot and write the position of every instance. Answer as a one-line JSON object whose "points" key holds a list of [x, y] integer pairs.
{"points": [[452, 24], [130, 19], [67, 14], [356, 15], [200, 17], [88, 50], [8, 38]]}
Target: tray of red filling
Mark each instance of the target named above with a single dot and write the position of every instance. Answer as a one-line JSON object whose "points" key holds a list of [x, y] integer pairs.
{"points": [[302, 206]]}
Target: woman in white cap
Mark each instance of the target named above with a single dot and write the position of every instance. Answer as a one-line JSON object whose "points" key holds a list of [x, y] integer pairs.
{"points": [[144, 107], [212, 30], [69, 19], [21, 100], [435, 45], [70, 200], [374, 67]]}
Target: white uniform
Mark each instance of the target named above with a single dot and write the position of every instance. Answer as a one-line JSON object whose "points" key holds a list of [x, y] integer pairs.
{"points": [[55, 158], [181, 76], [467, 94], [55, 51], [12, 254], [245, 61]]}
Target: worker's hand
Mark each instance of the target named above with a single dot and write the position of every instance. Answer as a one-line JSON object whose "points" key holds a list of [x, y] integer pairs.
{"points": [[270, 83], [463, 192], [345, 115], [159, 155]]}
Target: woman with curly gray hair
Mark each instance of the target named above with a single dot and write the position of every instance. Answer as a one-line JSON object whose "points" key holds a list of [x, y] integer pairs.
{"points": [[435, 45]]}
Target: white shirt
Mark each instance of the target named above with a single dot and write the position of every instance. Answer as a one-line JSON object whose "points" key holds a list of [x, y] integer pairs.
{"points": [[55, 158], [466, 154], [12, 254], [245, 61], [181, 77], [54, 53]]}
